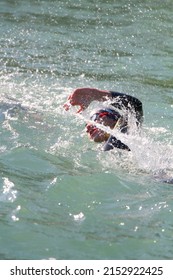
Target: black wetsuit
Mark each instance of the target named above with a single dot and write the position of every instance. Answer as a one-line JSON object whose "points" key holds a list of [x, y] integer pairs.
{"points": [[130, 104]]}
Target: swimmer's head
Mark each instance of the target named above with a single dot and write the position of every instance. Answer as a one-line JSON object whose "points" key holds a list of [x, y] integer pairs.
{"points": [[106, 112], [107, 117]]}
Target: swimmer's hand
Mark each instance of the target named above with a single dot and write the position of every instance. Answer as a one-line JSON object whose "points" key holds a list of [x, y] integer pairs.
{"points": [[82, 97], [68, 105]]}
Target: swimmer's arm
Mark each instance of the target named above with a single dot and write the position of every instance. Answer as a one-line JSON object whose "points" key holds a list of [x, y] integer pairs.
{"points": [[131, 103], [84, 96], [113, 142]]}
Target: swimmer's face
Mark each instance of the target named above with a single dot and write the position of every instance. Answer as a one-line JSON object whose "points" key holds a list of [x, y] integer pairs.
{"points": [[95, 133]]}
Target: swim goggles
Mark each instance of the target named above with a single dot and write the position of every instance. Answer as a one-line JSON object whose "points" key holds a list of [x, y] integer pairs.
{"points": [[105, 112]]}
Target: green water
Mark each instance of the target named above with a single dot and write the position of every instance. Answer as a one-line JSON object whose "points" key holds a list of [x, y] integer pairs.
{"points": [[61, 197]]}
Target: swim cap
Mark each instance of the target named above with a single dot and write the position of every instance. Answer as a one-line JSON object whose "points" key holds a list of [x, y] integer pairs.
{"points": [[105, 112]]}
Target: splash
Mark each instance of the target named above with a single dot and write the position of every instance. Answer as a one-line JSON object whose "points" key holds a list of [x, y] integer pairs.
{"points": [[149, 154], [8, 193], [65, 130]]}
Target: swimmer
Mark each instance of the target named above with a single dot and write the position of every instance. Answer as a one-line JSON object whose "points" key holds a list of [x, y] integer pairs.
{"points": [[114, 116]]}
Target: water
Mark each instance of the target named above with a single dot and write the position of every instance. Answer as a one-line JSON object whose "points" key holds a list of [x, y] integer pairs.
{"points": [[61, 197]]}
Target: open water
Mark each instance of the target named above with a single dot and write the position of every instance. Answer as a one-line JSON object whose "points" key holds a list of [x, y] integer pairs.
{"points": [[61, 197]]}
